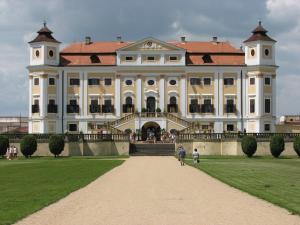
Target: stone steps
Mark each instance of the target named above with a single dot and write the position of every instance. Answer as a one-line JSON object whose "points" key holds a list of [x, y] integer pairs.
{"points": [[145, 149]]}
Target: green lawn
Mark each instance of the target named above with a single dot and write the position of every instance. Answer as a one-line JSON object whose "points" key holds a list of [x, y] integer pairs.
{"points": [[275, 180], [27, 185]]}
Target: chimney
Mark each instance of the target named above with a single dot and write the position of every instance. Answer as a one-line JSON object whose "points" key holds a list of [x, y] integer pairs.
{"points": [[119, 38], [215, 39], [182, 39], [88, 40]]}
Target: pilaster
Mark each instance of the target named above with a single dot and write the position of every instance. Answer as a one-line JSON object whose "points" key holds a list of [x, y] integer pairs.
{"points": [[183, 95], [162, 93], [221, 95], [118, 95], [139, 93]]}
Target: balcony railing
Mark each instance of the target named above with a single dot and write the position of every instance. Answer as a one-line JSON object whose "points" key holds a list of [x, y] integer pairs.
{"points": [[52, 108], [95, 108], [72, 108], [230, 108], [194, 108], [172, 108], [35, 108], [128, 108], [108, 109], [205, 108]]}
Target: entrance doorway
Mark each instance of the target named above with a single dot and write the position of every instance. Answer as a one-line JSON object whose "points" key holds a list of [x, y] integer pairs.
{"points": [[150, 130], [151, 104]]}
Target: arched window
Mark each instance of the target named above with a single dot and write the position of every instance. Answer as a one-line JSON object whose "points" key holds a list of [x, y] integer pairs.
{"points": [[173, 100], [128, 101], [94, 58]]}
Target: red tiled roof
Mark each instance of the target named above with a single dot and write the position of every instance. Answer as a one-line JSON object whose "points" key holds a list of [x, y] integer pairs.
{"points": [[222, 53]]}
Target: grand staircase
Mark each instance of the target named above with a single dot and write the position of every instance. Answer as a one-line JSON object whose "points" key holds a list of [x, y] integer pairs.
{"points": [[147, 149]]}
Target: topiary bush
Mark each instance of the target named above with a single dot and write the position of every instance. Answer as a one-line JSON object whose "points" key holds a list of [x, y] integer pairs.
{"points": [[297, 145], [249, 145], [56, 144], [144, 110], [158, 110], [4, 144], [276, 145], [28, 145]]}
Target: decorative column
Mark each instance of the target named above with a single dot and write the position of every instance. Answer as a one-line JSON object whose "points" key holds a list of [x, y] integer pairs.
{"points": [[259, 95], [85, 94], [59, 101], [81, 93], [30, 105], [183, 95], [273, 102], [43, 101], [216, 93], [238, 97], [118, 95], [139, 93], [66, 85], [162, 93], [221, 94]]}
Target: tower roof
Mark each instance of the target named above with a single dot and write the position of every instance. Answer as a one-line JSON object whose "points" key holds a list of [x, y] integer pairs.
{"points": [[44, 34], [259, 34]]}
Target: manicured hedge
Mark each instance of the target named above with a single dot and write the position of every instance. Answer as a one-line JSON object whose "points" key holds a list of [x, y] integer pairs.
{"points": [[56, 144], [249, 145], [297, 145], [4, 144], [276, 145], [28, 145]]}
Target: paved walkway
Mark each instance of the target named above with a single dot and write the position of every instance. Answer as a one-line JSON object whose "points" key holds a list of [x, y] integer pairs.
{"points": [[157, 191]]}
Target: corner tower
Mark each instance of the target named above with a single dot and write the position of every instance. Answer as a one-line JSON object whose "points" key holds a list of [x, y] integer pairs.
{"points": [[261, 81], [44, 49]]}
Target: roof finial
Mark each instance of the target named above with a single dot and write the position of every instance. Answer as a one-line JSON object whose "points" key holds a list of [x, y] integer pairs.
{"points": [[259, 22], [45, 23]]}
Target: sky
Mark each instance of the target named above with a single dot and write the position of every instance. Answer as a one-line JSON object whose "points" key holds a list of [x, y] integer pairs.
{"points": [[103, 20]]}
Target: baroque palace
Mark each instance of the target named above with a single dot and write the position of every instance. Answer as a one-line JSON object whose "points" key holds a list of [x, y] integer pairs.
{"points": [[150, 84]]}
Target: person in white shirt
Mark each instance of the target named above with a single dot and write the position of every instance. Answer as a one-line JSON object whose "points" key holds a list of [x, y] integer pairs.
{"points": [[196, 156], [15, 152]]}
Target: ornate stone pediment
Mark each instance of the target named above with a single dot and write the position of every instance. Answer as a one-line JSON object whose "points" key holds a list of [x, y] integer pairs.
{"points": [[151, 44]]}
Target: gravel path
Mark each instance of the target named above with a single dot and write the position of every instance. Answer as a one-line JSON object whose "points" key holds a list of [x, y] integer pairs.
{"points": [[158, 191]]}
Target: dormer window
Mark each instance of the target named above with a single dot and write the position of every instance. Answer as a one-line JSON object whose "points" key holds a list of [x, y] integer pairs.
{"points": [[207, 58], [150, 58], [129, 58], [51, 53], [37, 53], [95, 59]]}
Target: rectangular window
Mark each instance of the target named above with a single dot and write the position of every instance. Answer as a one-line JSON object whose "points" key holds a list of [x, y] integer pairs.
{"points": [[228, 81], [230, 102], [36, 81], [204, 127], [93, 81], [194, 101], [51, 81], [107, 81], [173, 58], [36, 102], [51, 101], [267, 127], [252, 81], [74, 82], [230, 127], [107, 102], [73, 127], [207, 81], [267, 81], [94, 102], [195, 81], [267, 105], [150, 58], [73, 102], [207, 101], [252, 105], [129, 58]]}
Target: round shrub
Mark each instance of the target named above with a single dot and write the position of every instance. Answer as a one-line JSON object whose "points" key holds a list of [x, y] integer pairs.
{"points": [[158, 110], [28, 145], [249, 145], [276, 145], [56, 144], [297, 145], [4, 144]]}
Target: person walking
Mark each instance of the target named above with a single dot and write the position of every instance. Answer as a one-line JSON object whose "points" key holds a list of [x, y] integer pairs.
{"points": [[15, 152], [196, 156], [181, 155]]}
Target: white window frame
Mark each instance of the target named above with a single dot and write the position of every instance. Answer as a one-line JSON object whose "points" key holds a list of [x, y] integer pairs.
{"points": [[252, 98], [270, 98], [234, 82], [268, 85], [207, 78]]}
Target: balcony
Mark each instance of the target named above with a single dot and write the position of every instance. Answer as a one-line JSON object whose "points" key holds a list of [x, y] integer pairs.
{"points": [[128, 108], [52, 108], [230, 108], [35, 108], [205, 108], [108, 109], [172, 108], [95, 108], [72, 108], [194, 108]]}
